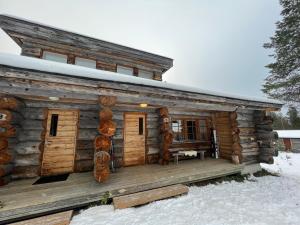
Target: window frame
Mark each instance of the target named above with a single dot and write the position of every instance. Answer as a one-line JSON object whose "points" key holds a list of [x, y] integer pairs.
{"points": [[55, 53], [87, 59], [197, 124], [125, 67]]}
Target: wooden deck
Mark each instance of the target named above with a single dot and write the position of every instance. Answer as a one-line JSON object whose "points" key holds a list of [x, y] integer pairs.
{"points": [[22, 200]]}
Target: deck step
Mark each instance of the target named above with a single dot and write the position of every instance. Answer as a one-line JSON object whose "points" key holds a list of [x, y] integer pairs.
{"points": [[62, 218], [144, 197]]}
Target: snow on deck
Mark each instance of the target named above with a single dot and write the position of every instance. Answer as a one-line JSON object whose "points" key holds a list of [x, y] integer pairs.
{"points": [[79, 71], [258, 201], [288, 133]]}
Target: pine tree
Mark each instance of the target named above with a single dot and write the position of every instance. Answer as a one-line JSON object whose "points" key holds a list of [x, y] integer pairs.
{"points": [[294, 119], [283, 81]]}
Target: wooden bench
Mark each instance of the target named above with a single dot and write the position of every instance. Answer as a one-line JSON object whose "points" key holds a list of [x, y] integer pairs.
{"points": [[176, 152]]}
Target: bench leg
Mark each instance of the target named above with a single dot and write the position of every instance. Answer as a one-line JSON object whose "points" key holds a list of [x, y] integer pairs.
{"points": [[202, 155]]}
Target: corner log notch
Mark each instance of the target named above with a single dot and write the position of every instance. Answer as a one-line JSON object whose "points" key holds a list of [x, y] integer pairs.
{"points": [[9, 120], [265, 136], [166, 136], [102, 143]]}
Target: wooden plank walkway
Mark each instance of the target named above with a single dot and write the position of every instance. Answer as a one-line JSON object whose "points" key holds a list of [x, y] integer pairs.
{"points": [[62, 218], [23, 200]]}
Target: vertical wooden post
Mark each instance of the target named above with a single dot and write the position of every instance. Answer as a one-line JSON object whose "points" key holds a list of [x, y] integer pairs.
{"points": [[102, 143], [166, 136], [7, 107]]}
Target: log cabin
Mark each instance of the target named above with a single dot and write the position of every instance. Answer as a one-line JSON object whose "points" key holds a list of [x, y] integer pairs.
{"points": [[71, 103], [290, 139], [57, 93]]}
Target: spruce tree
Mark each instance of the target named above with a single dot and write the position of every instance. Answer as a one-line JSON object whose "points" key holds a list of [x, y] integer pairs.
{"points": [[283, 81]]}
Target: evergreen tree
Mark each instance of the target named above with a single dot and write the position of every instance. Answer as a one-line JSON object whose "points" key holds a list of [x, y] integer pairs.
{"points": [[280, 122], [283, 81], [294, 119]]}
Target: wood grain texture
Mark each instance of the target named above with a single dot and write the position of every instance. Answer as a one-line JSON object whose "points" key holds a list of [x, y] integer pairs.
{"points": [[62, 218], [134, 143], [144, 197], [59, 151]]}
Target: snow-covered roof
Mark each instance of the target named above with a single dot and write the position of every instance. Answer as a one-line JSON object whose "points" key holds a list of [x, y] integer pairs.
{"points": [[288, 133], [79, 71], [77, 33]]}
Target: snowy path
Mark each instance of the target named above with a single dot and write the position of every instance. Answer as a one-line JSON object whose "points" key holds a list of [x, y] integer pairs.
{"points": [[264, 200]]}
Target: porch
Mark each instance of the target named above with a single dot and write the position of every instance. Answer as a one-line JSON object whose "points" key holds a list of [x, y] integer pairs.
{"points": [[22, 200]]}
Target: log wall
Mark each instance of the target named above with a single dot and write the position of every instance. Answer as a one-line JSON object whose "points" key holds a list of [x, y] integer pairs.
{"points": [[265, 136], [256, 136]]}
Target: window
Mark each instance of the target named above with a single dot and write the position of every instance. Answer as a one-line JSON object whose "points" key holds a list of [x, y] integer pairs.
{"points": [[124, 70], [202, 130], [191, 130], [145, 74], [85, 62], [53, 125], [56, 57], [177, 130], [141, 126]]}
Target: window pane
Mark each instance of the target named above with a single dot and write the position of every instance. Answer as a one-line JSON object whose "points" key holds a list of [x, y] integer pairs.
{"points": [[85, 62], [53, 125], [141, 126], [191, 129], [55, 57], [177, 130], [145, 74], [125, 70]]}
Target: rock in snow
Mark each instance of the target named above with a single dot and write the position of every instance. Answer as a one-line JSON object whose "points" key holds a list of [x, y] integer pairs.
{"points": [[260, 201]]}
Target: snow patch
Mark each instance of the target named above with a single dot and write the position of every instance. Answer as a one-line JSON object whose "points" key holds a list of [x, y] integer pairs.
{"points": [[79, 71], [257, 201]]}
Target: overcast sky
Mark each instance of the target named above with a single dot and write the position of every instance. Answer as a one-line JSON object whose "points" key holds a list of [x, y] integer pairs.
{"points": [[215, 44]]}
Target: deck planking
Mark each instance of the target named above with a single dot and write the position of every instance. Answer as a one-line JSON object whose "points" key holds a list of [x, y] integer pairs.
{"points": [[23, 200]]}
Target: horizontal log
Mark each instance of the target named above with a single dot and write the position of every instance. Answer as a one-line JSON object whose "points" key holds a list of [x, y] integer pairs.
{"points": [[84, 165], [85, 144], [27, 160], [23, 172], [25, 148], [242, 123], [84, 155], [58, 105]]}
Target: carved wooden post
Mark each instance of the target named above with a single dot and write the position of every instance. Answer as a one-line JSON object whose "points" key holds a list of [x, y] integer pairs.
{"points": [[236, 146], [166, 136], [102, 143], [8, 117]]}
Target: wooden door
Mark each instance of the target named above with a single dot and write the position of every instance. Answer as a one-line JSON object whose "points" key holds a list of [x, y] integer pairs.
{"points": [[224, 133], [134, 139], [60, 142]]}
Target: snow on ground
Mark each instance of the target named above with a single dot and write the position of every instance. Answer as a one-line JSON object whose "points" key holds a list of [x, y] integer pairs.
{"points": [[286, 164], [260, 201]]}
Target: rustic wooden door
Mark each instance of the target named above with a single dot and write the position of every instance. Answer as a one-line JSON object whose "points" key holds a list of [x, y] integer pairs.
{"points": [[134, 139], [60, 142]]}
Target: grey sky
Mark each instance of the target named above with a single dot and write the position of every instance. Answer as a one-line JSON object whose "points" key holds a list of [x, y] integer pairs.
{"points": [[215, 44]]}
